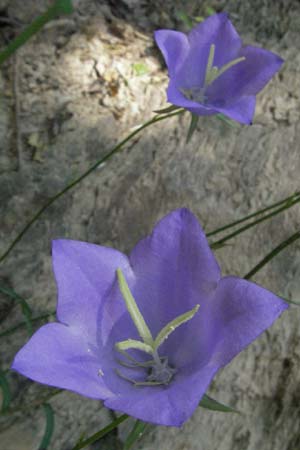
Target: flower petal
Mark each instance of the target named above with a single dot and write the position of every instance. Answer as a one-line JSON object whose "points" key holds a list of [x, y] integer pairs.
{"points": [[240, 312], [248, 77], [58, 356], [218, 30], [174, 269], [242, 110], [169, 405], [174, 46], [176, 97], [84, 273]]}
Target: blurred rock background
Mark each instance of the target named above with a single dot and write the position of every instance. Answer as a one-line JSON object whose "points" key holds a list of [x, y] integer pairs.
{"points": [[66, 98]]}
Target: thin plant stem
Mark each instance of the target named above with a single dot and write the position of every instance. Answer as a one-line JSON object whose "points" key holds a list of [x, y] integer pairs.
{"points": [[272, 254], [67, 188], [59, 7], [221, 242], [286, 201], [95, 437]]}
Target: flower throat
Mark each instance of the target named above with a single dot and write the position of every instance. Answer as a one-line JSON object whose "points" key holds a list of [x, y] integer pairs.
{"points": [[212, 72], [158, 370]]}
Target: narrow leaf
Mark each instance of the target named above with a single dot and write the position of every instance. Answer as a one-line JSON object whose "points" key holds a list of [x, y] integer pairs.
{"points": [[192, 127], [132, 343], [49, 414], [212, 404], [135, 434], [26, 310], [6, 396], [171, 326], [292, 302], [95, 437], [133, 310]]}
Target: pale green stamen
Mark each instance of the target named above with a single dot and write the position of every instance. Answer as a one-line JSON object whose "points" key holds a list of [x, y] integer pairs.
{"points": [[213, 72], [210, 62], [171, 326], [133, 310], [161, 373]]}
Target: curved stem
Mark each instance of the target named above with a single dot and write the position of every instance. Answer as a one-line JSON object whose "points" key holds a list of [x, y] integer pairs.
{"points": [[286, 201], [114, 150], [222, 241], [272, 254]]}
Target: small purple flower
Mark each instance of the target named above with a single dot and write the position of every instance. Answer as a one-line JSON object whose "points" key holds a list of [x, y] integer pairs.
{"points": [[212, 72], [148, 332]]}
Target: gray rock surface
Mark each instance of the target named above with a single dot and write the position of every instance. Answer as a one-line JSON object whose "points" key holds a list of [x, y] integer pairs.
{"points": [[67, 97]]}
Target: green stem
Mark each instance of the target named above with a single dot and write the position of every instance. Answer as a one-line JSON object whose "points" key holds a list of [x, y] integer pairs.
{"points": [[115, 149], [59, 7], [272, 254], [22, 324], [95, 437], [220, 242], [286, 201]]}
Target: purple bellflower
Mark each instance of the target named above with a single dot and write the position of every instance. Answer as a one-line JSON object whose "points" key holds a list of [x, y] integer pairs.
{"points": [[211, 71], [148, 332]]}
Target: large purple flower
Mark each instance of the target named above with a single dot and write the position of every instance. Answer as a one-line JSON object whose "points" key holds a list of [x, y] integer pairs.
{"points": [[129, 330], [212, 72]]}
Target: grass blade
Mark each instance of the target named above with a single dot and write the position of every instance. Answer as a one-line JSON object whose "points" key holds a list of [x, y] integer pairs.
{"points": [[59, 7], [5, 392], [49, 414], [26, 310]]}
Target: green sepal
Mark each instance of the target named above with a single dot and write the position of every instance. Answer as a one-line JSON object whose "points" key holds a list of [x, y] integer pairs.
{"points": [[291, 302], [192, 127], [133, 310], [228, 121], [167, 110], [135, 434], [133, 344], [171, 326], [212, 404]]}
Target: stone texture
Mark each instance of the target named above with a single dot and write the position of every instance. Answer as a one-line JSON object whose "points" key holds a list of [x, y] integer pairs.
{"points": [[75, 93]]}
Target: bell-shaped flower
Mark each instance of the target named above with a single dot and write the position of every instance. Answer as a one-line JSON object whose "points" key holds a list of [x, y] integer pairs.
{"points": [[148, 332], [212, 72]]}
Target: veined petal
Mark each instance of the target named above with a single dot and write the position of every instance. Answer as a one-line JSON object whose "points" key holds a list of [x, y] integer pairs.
{"points": [[58, 356], [218, 30], [176, 97], [169, 405], [242, 110], [84, 273], [245, 78], [240, 312], [174, 270], [174, 46]]}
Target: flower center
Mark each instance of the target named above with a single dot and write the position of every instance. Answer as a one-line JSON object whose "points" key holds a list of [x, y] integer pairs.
{"points": [[157, 369], [212, 72]]}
